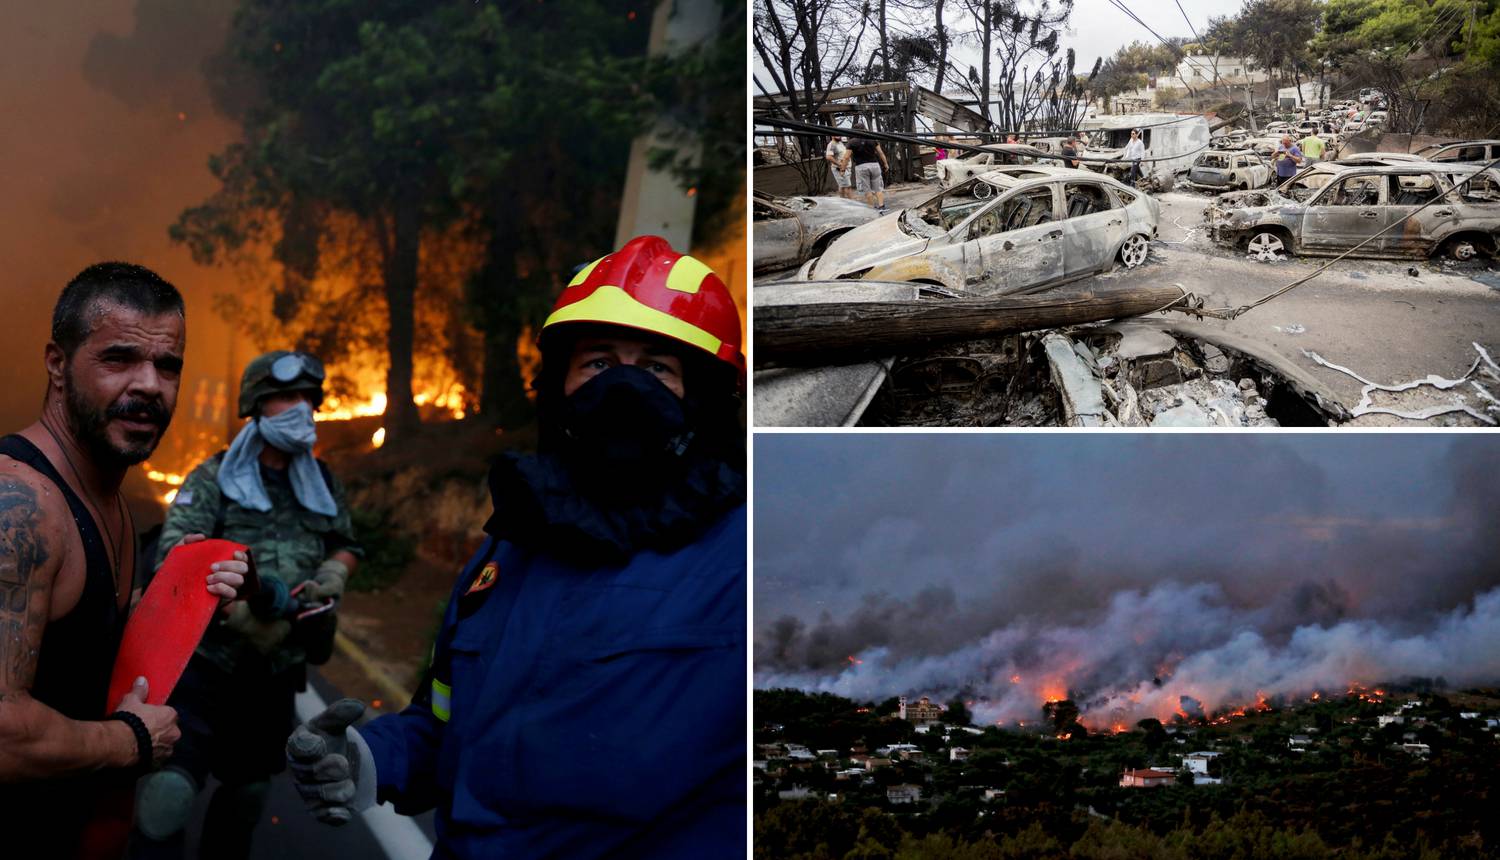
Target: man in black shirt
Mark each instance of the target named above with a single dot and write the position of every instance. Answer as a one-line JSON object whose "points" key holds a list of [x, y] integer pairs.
{"points": [[67, 558], [869, 161]]}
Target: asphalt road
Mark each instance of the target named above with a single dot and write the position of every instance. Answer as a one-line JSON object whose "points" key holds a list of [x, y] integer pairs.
{"points": [[288, 832], [1369, 316]]}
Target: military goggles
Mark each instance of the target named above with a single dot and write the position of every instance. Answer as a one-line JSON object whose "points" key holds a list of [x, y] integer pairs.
{"points": [[293, 366]]}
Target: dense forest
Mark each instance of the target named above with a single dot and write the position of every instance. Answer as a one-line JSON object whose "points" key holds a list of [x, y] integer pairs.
{"points": [[1299, 780]]}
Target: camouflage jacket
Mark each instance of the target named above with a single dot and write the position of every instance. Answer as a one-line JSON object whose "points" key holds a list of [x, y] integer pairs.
{"points": [[288, 542]]}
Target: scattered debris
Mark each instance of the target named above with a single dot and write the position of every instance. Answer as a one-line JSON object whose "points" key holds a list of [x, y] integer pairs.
{"points": [[1411, 271], [1366, 406], [1294, 328]]}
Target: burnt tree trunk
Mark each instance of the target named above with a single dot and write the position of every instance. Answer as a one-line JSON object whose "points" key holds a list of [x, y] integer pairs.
{"points": [[401, 259], [942, 40], [842, 332], [502, 392]]}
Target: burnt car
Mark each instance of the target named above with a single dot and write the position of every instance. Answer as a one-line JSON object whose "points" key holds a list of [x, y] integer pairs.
{"points": [[1330, 208], [967, 165], [1463, 152], [1012, 230], [1228, 169], [788, 230], [1370, 159]]}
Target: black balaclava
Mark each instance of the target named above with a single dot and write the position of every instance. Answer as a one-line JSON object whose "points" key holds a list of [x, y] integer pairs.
{"points": [[623, 464]]}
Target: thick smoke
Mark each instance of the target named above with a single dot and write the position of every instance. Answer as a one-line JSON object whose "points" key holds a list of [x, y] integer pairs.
{"points": [[1151, 651], [111, 131], [1212, 575]]}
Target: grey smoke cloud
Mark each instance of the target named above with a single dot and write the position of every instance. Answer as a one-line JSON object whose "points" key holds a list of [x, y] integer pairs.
{"points": [[1125, 571], [1148, 650]]}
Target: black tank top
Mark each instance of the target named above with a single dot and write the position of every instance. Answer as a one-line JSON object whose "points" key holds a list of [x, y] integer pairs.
{"points": [[72, 677]]}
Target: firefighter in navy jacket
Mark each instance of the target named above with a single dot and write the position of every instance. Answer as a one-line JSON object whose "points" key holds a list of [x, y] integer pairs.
{"points": [[587, 691]]}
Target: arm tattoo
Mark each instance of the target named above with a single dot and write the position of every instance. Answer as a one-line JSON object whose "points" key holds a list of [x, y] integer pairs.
{"points": [[23, 551]]}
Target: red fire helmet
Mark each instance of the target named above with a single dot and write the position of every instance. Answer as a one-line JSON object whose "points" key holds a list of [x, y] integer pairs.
{"points": [[648, 286]]}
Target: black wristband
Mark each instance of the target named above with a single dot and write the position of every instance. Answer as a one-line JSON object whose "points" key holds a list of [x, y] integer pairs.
{"points": [[143, 743]]}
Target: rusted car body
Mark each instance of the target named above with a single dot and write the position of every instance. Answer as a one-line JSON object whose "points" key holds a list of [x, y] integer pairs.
{"points": [[1329, 208], [790, 229], [1226, 169], [1012, 230]]}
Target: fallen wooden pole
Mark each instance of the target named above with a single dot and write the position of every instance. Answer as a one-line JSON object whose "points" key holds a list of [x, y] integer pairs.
{"points": [[842, 332]]}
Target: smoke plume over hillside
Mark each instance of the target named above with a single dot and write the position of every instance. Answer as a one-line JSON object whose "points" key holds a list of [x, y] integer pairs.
{"points": [[1135, 577]]}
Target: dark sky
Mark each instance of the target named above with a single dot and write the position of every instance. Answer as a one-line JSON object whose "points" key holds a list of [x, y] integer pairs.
{"points": [[106, 138], [944, 558]]}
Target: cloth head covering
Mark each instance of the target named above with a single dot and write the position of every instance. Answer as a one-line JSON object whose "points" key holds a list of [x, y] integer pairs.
{"points": [[291, 431]]}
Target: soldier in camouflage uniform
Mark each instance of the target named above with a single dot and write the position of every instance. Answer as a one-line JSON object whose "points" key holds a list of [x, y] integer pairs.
{"points": [[235, 700]]}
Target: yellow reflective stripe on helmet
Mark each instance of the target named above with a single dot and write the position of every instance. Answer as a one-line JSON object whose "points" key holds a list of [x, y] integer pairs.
{"points": [[583, 273], [609, 304], [442, 700], [687, 275]]}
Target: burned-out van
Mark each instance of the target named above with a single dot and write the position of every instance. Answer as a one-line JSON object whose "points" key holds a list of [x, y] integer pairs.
{"points": [[1173, 141]]}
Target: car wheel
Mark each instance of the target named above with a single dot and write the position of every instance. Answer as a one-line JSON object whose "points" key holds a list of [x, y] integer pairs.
{"points": [[1135, 251], [1462, 250], [983, 190], [1266, 245]]}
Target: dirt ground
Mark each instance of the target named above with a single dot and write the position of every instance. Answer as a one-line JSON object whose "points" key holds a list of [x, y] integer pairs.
{"points": [[433, 492]]}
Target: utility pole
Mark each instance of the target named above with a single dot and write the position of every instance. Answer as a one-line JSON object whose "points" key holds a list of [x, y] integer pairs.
{"points": [[653, 201]]}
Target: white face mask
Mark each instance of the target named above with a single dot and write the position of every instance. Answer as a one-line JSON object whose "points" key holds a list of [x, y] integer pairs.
{"points": [[291, 431]]}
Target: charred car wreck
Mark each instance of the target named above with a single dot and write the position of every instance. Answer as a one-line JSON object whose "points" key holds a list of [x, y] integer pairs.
{"points": [[1228, 170], [1011, 230], [790, 229], [1329, 208]]}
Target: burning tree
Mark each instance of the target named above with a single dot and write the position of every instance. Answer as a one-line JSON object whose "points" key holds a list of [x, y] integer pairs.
{"points": [[494, 140]]}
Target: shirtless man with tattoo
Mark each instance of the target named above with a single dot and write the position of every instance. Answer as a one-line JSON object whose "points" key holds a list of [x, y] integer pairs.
{"points": [[67, 558]]}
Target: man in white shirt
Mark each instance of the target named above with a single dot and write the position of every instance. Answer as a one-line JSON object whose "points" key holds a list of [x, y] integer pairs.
{"points": [[1135, 150], [837, 156]]}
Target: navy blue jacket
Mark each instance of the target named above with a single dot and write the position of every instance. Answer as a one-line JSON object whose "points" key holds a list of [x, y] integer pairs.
{"points": [[582, 713]]}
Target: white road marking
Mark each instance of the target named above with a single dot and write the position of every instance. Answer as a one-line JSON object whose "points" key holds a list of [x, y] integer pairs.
{"points": [[398, 835]]}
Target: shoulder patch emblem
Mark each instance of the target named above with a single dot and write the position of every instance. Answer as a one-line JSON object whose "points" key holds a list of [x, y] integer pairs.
{"points": [[183, 498], [485, 579]]}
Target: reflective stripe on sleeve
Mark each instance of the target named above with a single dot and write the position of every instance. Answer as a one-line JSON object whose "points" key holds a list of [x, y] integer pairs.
{"points": [[442, 699]]}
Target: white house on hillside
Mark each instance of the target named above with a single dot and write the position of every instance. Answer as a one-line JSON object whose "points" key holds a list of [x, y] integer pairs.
{"points": [[903, 793], [1199, 69], [1198, 762]]}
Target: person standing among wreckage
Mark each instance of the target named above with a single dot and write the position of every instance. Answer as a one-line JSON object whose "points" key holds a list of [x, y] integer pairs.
{"points": [[1287, 158], [586, 696], [235, 699], [1135, 150], [1312, 146], [68, 558], [869, 164], [837, 156], [1069, 152]]}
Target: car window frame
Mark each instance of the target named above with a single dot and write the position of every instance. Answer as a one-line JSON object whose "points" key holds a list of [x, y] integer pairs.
{"points": [[1381, 188], [1103, 189], [961, 231], [775, 207], [1443, 187]]}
